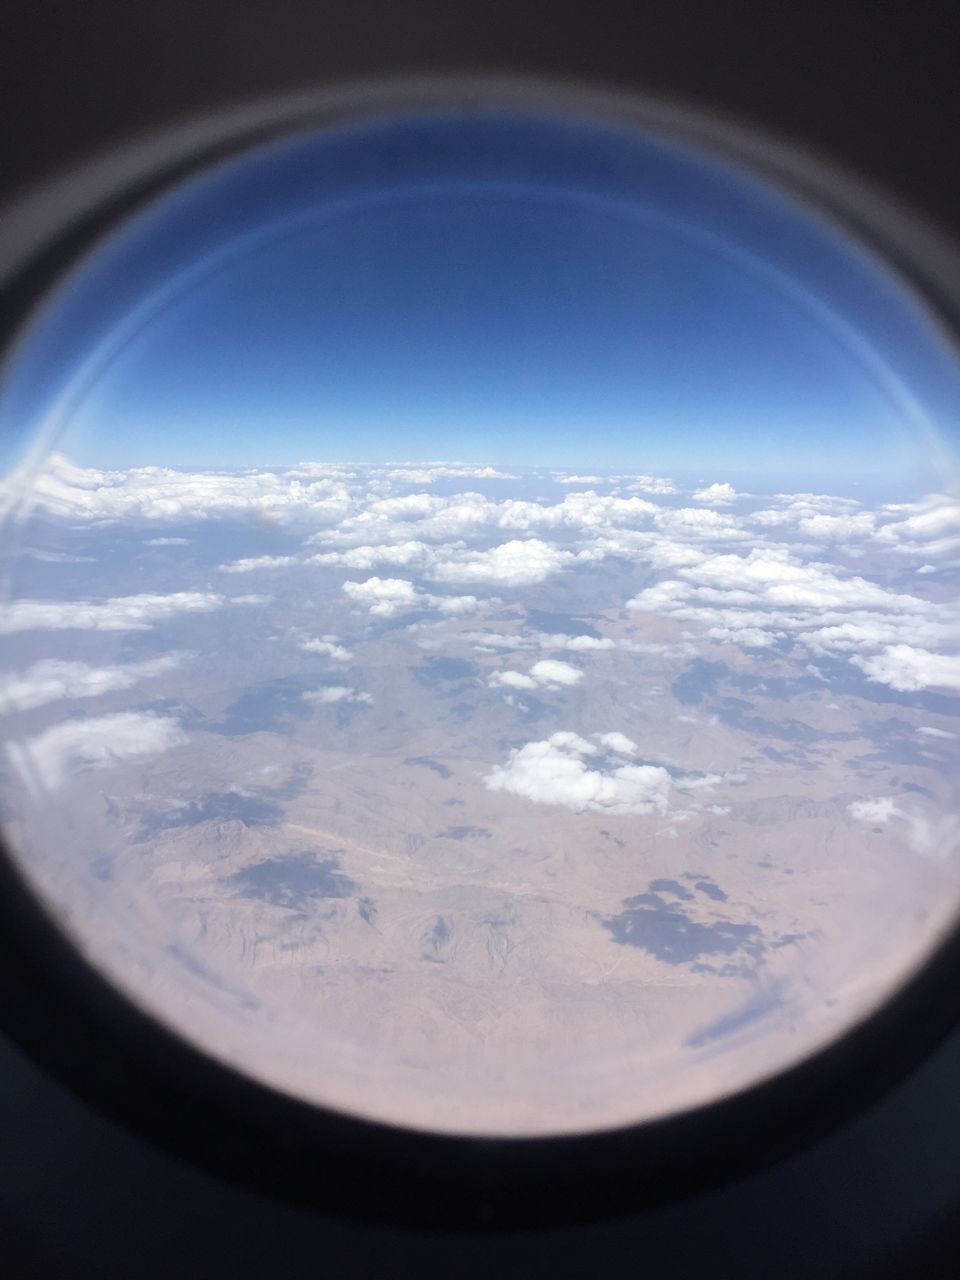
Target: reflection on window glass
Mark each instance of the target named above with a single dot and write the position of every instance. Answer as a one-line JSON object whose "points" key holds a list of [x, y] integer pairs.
{"points": [[481, 645]]}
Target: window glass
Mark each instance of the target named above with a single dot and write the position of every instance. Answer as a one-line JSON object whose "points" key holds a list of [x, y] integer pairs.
{"points": [[479, 647]]}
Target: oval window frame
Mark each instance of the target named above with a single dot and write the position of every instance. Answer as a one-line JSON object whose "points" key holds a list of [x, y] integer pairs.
{"points": [[94, 1040]]}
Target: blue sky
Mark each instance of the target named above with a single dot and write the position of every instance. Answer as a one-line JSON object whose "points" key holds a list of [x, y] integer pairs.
{"points": [[490, 288]]}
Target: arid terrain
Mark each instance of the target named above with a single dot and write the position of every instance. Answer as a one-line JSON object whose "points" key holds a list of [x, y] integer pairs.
{"points": [[508, 803]]}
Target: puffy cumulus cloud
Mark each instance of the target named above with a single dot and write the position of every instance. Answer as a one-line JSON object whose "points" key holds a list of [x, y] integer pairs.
{"points": [[719, 494], [877, 810], [47, 760], [841, 528], [120, 613], [771, 578], [908, 669], [336, 693], [386, 597], [317, 496], [409, 506], [548, 673], [775, 577], [699, 524], [562, 479], [589, 510], [404, 555], [512, 680], [860, 629], [552, 671], [818, 518], [662, 597], [426, 518], [326, 646], [576, 644], [332, 471], [518, 563], [52, 679], [557, 771], [771, 594]]}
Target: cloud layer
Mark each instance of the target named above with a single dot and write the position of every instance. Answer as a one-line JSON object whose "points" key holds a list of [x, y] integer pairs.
{"points": [[816, 571]]}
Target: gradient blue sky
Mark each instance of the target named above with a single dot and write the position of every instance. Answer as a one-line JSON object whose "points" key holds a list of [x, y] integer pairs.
{"points": [[490, 288]]}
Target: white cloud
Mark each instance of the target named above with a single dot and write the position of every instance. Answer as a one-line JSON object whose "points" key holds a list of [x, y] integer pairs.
{"points": [[877, 810], [818, 517], [581, 644], [837, 528], [700, 524], [166, 542], [652, 484], [512, 680], [828, 502], [773, 576], [120, 613], [362, 520], [388, 523], [327, 646], [52, 679], [446, 471], [757, 599], [930, 732], [386, 597], [718, 494], [317, 495], [555, 771], [254, 563], [336, 693], [548, 673], [47, 760], [908, 669], [512, 564], [931, 529], [707, 781], [552, 671], [618, 742], [409, 554]]}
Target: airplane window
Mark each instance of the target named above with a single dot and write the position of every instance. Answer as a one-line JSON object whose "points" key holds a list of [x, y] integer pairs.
{"points": [[480, 635]]}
